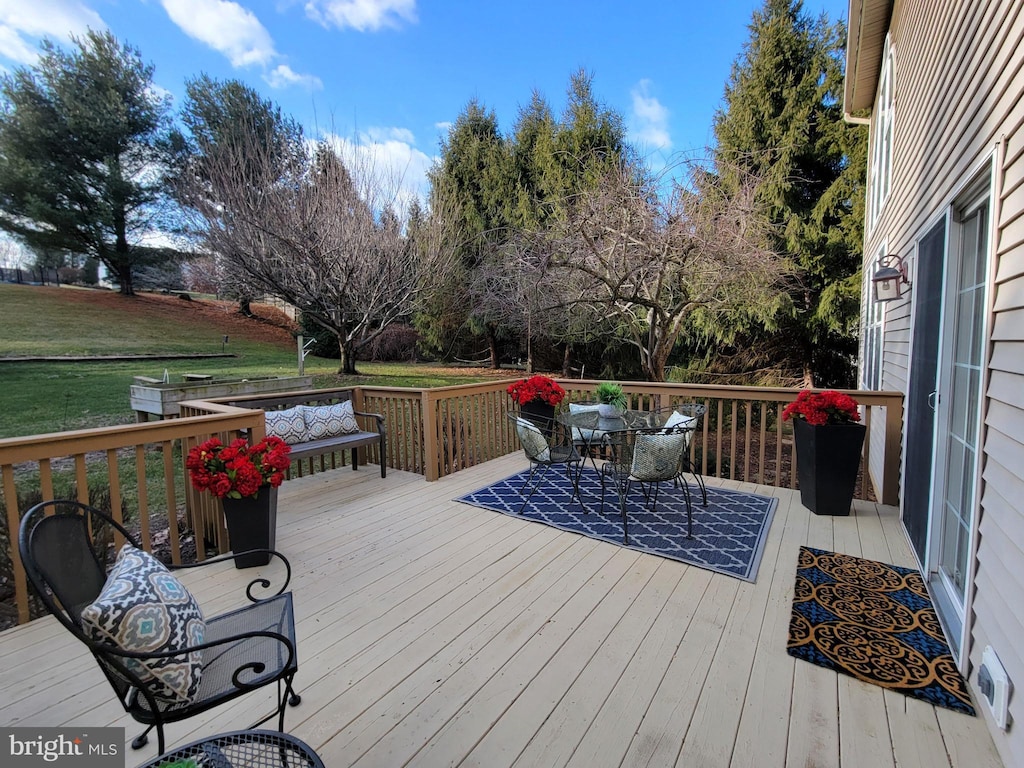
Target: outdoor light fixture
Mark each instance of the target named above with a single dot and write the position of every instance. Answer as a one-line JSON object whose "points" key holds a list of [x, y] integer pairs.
{"points": [[889, 278]]}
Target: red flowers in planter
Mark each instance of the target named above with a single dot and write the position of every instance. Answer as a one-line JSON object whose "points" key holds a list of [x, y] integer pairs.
{"points": [[536, 388], [828, 407], [238, 470]]}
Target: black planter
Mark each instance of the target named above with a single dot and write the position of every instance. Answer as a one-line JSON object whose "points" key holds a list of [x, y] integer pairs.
{"points": [[538, 412], [252, 524], [827, 458]]}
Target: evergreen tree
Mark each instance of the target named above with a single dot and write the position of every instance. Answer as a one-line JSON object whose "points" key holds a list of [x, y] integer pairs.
{"points": [[470, 190], [782, 121], [83, 151], [494, 192], [532, 150]]}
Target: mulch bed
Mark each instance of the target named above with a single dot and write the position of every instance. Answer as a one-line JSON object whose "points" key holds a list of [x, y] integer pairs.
{"points": [[161, 549]]}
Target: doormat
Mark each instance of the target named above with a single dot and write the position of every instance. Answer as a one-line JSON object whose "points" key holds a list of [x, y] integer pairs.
{"points": [[875, 622], [728, 534]]}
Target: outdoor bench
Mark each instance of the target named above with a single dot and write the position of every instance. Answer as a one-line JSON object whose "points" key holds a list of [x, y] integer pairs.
{"points": [[314, 409]]}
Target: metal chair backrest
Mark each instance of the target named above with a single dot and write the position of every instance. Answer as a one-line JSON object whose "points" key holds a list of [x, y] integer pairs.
{"points": [[64, 550], [64, 547], [657, 452], [535, 438]]}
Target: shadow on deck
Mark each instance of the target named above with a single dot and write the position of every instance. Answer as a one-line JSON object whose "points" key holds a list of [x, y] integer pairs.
{"points": [[434, 633]]}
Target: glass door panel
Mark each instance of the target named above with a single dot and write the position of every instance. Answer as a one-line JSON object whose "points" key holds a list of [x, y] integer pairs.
{"points": [[962, 401]]}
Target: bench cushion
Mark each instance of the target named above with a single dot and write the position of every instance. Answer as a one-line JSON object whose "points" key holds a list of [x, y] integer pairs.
{"points": [[324, 421], [289, 424]]}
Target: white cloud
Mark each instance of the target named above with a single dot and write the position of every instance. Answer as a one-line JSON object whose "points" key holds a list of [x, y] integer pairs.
{"points": [[283, 76], [648, 122], [226, 27], [159, 92], [361, 15], [381, 135], [389, 156], [234, 31], [14, 47], [444, 125], [23, 23]]}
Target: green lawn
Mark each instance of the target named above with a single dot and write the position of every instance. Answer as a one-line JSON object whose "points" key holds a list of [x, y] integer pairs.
{"points": [[40, 397]]}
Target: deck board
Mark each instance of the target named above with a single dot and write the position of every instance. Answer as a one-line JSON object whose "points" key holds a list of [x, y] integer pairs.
{"points": [[434, 633]]}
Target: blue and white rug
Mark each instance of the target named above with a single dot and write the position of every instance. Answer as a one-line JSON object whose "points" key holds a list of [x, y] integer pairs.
{"points": [[728, 534]]}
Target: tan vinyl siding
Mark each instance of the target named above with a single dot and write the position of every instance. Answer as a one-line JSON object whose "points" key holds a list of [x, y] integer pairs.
{"points": [[959, 101]]}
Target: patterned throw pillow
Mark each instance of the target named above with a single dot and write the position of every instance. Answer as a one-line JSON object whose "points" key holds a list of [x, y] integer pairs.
{"points": [[533, 441], [330, 420], [689, 423], [583, 435], [289, 424], [143, 607], [656, 457]]}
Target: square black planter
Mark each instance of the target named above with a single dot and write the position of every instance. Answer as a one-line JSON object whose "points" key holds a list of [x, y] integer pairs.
{"points": [[252, 524], [827, 459]]}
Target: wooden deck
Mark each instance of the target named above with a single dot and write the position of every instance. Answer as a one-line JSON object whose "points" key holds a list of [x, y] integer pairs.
{"points": [[432, 633]]}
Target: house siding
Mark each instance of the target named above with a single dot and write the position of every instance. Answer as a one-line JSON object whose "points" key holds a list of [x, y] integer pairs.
{"points": [[959, 102]]}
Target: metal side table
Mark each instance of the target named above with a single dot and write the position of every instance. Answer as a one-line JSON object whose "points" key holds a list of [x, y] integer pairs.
{"points": [[241, 749]]}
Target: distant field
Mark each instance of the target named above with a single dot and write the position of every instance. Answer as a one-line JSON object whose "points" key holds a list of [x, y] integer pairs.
{"points": [[40, 397], [68, 321]]}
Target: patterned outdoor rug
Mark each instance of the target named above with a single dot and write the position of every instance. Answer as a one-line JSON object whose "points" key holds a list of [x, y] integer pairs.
{"points": [[875, 622], [728, 535]]}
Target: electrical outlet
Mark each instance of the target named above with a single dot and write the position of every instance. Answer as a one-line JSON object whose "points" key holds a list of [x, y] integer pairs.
{"points": [[995, 686]]}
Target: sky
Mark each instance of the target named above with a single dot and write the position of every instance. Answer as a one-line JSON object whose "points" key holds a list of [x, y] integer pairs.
{"points": [[390, 76]]}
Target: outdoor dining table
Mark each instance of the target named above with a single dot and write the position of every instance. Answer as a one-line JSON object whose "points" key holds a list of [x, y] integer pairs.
{"points": [[596, 431], [617, 434]]}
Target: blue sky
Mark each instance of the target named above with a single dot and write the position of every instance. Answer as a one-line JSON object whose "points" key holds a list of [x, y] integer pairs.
{"points": [[388, 76]]}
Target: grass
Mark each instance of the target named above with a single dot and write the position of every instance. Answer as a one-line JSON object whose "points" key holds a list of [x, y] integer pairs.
{"points": [[42, 397]]}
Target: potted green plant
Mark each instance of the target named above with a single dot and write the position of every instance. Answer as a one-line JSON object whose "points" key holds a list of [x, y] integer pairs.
{"points": [[611, 399], [829, 439]]}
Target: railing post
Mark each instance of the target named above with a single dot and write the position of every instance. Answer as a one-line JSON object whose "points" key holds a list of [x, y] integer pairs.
{"points": [[431, 451], [893, 448], [10, 494]]}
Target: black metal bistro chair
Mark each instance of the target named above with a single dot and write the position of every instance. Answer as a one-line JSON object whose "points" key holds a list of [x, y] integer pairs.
{"points": [[545, 450], [64, 546], [688, 415], [647, 456]]}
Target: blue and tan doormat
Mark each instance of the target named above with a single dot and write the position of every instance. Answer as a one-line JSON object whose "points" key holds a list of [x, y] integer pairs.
{"points": [[875, 622], [728, 534]]}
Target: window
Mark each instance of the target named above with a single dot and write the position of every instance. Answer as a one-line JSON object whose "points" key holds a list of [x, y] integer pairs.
{"points": [[872, 334], [880, 161]]}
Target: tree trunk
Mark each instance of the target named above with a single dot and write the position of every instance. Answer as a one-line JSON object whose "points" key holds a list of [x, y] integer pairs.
{"points": [[492, 343], [808, 376], [566, 357], [243, 306], [122, 253], [654, 365], [124, 277], [348, 358]]}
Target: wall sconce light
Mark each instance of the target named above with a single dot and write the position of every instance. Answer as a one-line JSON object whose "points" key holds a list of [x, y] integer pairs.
{"points": [[889, 278]]}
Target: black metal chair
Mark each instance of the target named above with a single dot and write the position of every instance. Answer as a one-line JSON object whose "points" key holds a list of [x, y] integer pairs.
{"points": [[647, 456], [541, 443], [64, 546], [688, 415]]}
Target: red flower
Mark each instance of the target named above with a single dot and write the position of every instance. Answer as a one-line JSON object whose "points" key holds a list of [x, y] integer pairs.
{"points": [[536, 388], [828, 407], [237, 470]]}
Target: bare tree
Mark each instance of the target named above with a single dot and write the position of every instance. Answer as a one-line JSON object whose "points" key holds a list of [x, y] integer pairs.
{"points": [[644, 260], [12, 254], [307, 229]]}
